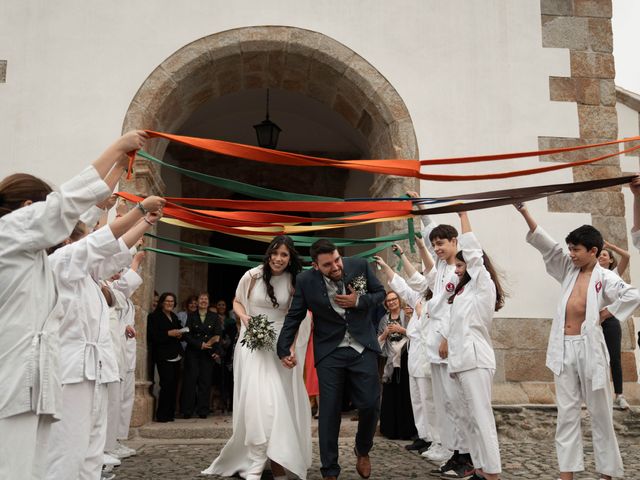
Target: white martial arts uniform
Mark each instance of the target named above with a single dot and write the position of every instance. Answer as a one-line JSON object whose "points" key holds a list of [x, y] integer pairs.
{"points": [[420, 387], [121, 393], [87, 359], [471, 357], [30, 314], [435, 319], [580, 363]]}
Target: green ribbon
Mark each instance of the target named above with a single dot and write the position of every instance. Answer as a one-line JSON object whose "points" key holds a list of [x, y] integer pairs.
{"points": [[412, 235], [230, 257], [239, 187], [205, 258], [400, 262]]}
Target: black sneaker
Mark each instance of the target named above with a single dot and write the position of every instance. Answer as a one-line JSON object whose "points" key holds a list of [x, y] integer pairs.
{"points": [[417, 444], [425, 448], [450, 464], [460, 471]]}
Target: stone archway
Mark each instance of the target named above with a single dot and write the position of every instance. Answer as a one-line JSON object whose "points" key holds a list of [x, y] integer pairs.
{"points": [[288, 58]]}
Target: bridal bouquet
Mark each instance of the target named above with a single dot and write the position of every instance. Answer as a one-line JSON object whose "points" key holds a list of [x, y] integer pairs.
{"points": [[260, 334]]}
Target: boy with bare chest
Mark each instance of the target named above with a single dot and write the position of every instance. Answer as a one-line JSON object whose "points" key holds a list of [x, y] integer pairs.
{"points": [[577, 353]]}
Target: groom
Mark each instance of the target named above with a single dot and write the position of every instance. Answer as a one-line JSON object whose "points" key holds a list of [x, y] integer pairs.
{"points": [[341, 293]]}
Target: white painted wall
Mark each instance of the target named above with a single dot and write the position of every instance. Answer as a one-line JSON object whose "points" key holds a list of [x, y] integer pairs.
{"points": [[629, 126], [473, 74]]}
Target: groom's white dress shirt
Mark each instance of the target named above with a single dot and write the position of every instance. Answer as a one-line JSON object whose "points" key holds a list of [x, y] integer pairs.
{"points": [[348, 340]]}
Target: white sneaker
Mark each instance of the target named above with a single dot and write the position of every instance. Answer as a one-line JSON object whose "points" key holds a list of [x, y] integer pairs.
{"points": [[437, 454], [108, 459], [120, 452], [126, 449], [621, 402]]}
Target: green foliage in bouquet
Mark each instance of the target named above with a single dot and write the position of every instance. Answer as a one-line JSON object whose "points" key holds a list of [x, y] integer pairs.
{"points": [[260, 334]]}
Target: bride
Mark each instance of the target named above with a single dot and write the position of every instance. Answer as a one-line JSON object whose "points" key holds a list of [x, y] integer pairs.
{"points": [[271, 413]]}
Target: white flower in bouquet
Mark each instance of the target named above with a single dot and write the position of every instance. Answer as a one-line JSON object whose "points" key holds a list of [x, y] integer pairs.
{"points": [[260, 334], [359, 284]]}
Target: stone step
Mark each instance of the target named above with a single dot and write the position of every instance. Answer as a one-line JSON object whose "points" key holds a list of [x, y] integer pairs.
{"points": [[515, 422]]}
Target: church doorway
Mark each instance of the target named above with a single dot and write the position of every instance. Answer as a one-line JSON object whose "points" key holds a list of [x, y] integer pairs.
{"points": [[328, 100]]}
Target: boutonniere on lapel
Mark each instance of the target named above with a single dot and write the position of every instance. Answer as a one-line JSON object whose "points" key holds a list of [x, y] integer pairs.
{"points": [[598, 286], [359, 284]]}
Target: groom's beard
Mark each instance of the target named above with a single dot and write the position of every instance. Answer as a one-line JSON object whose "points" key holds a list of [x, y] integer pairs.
{"points": [[335, 276]]}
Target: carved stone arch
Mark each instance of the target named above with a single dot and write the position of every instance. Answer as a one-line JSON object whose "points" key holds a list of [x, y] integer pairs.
{"points": [[288, 58]]}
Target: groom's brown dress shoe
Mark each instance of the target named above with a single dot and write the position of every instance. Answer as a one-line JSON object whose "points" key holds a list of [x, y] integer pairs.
{"points": [[363, 464]]}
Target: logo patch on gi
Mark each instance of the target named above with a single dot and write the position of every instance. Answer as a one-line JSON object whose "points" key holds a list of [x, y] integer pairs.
{"points": [[598, 286], [450, 287]]}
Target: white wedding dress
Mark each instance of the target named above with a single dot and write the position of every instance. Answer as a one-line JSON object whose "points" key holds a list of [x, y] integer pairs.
{"points": [[271, 412]]}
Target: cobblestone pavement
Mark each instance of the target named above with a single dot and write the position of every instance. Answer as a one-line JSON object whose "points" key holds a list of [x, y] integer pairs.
{"points": [[184, 459]]}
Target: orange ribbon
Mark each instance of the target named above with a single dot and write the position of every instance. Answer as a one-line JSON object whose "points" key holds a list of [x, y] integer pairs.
{"points": [[403, 168]]}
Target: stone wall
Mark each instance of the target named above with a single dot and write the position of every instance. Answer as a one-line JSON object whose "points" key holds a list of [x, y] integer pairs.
{"points": [[584, 28]]}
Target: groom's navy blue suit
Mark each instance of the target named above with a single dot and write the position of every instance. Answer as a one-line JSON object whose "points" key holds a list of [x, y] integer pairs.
{"points": [[337, 365]]}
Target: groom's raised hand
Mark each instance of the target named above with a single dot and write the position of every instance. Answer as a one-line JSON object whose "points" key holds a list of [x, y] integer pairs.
{"points": [[347, 301]]}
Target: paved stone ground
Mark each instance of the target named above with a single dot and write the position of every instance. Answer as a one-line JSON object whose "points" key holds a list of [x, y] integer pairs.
{"points": [[184, 459]]}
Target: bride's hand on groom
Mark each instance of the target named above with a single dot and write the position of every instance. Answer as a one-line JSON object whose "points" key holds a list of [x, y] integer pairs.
{"points": [[349, 300]]}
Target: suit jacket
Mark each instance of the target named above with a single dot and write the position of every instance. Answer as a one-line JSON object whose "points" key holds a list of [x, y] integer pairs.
{"points": [[328, 327], [163, 346], [200, 332]]}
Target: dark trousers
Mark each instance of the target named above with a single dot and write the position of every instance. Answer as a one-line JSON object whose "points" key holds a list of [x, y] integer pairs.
{"points": [[360, 370], [196, 383], [168, 373], [613, 338]]}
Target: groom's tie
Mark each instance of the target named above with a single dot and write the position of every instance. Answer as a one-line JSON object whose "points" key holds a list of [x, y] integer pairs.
{"points": [[340, 286]]}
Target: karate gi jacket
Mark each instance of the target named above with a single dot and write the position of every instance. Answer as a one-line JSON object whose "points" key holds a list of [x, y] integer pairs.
{"points": [[469, 329], [442, 281], [125, 287], [30, 310], [605, 290], [86, 348], [417, 363]]}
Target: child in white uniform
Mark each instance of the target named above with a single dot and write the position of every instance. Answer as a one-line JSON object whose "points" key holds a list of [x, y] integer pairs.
{"points": [[33, 219], [577, 352], [467, 345], [87, 358], [123, 337], [420, 386], [443, 244]]}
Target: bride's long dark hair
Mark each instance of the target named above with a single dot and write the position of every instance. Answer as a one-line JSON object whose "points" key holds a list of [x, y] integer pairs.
{"points": [[294, 267]]}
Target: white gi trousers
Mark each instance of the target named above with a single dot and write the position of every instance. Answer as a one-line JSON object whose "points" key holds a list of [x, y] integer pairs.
{"points": [[446, 396], [572, 389], [113, 415], [478, 423], [76, 444], [127, 393], [23, 439], [424, 409]]}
